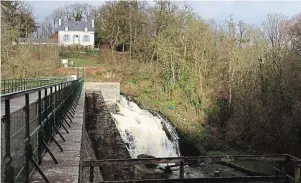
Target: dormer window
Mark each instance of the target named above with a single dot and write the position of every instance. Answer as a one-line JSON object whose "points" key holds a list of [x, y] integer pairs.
{"points": [[66, 29]]}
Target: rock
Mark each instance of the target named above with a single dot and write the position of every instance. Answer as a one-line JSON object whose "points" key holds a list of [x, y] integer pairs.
{"points": [[148, 156], [145, 156], [167, 170], [216, 174]]}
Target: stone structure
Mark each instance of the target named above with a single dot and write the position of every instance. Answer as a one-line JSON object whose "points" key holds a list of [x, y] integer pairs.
{"points": [[109, 91]]}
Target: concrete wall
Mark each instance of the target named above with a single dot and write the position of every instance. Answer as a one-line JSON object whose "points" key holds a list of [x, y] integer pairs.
{"points": [[105, 139], [109, 91], [72, 34]]}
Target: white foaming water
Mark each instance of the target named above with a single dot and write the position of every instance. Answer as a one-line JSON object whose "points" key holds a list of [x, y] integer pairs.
{"points": [[144, 132]]}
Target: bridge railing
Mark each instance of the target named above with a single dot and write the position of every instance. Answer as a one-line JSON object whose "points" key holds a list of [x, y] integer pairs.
{"points": [[14, 85], [283, 175], [26, 133]]}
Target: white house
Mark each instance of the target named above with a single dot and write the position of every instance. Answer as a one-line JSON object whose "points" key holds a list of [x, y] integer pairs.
{"points": [[75, 33]]}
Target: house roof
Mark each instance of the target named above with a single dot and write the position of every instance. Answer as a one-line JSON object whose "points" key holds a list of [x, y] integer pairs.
{"points": [[76, 25]]}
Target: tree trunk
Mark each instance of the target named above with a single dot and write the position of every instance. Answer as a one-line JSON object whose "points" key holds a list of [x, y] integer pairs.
{"points": [[130, 32]]}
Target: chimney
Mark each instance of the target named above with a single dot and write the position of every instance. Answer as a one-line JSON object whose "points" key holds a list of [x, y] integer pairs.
{"points": [[60, 21], [66, 29], [92, 22], [86, 29]]}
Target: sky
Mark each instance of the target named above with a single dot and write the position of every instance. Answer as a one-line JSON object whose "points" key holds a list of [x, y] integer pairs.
{"points": [[253, 12]]}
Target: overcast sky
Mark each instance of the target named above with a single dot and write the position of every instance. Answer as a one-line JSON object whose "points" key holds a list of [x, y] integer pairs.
{"points": [[250, 11]]}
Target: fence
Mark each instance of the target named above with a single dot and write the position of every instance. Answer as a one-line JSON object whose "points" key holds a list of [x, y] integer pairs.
{"points": [[26, 133], [14, 85]]}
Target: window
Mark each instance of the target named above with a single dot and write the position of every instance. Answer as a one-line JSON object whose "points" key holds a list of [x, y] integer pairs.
{"points": [[66, 38], [86, 38]]}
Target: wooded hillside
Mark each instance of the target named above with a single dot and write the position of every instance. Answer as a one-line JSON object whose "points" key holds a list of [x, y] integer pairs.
{"points": [[241, 78]]}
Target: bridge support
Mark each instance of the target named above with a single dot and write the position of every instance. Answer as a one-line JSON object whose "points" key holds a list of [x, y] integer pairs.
{"points": [[29, 155]]}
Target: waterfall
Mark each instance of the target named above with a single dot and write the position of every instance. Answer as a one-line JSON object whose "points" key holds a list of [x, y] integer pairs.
{"points": [[148, 133], [144, 132]]}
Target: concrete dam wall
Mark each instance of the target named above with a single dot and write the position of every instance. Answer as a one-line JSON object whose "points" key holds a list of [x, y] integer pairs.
{"points": [[101, 138], [109, 91]]}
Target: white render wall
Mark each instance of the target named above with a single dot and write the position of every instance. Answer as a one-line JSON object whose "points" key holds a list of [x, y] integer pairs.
{"points": [[71, 35]]}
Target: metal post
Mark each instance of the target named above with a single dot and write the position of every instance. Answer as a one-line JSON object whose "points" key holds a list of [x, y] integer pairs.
{"points": [[46, 111], [51, 105], [4, 87], [91, 173], [284, 166], [46, 102], [84, 72], [297, 174], [9, 170], [15, 85], [181, 170], [55, 97], [11, 86], [40, 134], [60, 93], [27, 135]]}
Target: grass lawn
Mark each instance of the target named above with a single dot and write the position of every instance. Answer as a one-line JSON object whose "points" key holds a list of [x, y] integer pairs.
{"points": [[80, 59], [79, 62]]}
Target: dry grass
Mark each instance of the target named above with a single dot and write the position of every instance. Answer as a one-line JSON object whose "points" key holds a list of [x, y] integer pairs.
{"points": [[29, 61]]}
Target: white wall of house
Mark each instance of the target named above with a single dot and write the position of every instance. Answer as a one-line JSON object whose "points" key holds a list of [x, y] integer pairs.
{"points": [[73, 40]]}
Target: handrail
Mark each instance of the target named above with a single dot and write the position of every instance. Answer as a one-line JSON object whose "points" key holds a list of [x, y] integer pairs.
{"points": [[211, 159], [27, 91], [181, 161], [13, 85]]}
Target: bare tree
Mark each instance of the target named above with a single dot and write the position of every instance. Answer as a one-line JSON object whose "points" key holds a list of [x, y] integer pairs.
{"points": [[75, 12], [241, 32], [275, 28], [295, 32]]}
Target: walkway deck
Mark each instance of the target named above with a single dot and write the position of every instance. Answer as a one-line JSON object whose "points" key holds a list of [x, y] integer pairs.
{"points": [[67, 171]]}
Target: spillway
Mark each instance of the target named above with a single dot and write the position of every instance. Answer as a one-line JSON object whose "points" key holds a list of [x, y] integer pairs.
{"points": [[144, 132]]}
